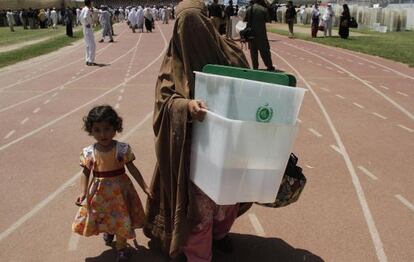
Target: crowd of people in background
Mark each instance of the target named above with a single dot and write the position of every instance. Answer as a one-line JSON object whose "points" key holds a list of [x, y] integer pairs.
{"points": [[52, 17], [162, 10]]}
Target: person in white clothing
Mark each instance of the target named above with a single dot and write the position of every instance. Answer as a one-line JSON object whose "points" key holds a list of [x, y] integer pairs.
{"points": [[54, 18], [327, 20], [132, 18], [86, 20], [105, 20], [10, 19], [140, 18], [78, 12]]}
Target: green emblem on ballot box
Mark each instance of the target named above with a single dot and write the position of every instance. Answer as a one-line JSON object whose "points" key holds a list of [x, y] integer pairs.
{"points": [[264, 113]]}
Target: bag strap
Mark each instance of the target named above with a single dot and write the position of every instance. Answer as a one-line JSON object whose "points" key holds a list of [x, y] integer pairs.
{"points": [[249, 22]]}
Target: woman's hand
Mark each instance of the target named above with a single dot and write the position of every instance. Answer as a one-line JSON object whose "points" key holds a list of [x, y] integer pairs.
{"points": [[148, 192], [80, 199], [197, 109]]}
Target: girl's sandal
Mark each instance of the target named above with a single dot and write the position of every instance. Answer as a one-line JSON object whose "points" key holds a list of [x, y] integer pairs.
{"points": [[108, 238]]}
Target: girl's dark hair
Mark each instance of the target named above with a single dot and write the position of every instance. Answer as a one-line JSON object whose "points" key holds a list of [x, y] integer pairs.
{"points": [[345, 6], [104, 113]]}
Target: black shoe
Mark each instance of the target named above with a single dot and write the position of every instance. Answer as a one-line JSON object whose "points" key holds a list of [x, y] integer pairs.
{"points": [[111, 41], [271, 69], [101, 41], [88, 64], [108, 238], [224, 245]]}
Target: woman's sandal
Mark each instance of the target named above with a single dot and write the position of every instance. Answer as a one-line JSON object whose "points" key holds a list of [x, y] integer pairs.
{"points": [[123, 255]]}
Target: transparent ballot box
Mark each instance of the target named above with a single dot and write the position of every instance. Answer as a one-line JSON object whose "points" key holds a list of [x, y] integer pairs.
{"points": [[239, 152]]}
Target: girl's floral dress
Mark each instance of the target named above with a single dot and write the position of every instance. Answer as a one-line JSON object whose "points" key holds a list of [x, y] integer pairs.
{"points": [[113, 204]]}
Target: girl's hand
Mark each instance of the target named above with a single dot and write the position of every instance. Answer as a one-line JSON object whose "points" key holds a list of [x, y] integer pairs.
{"points": [[148, 192], [197, 109], [80, 199]]}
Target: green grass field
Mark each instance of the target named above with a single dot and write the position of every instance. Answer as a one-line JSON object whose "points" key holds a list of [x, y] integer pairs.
{"points": [[44, 47], [20, 35], [50, 44], [397, 46]]}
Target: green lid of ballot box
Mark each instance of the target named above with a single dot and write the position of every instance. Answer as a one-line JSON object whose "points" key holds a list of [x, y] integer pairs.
{"points": [[279, 78]]}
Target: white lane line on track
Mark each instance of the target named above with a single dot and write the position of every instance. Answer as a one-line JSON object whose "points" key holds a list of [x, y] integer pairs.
{"points": [[36, 110], [122, 90], [117, 105], [339, 71], [119, 98], [19, 222], [385, 70], [379, 115], [325, 89], [401, 93], [376, 239], [313, 131], [43, 74], [405, 202], [358, 105], [395, 104], [341, 97], [256, 225], [88, 103], [73, 242], [46, 102], [69, 82], [9, 134], [299, 121], [366, 172], [308, 166], [406, 128], [55, 94], [99, 52], [24, 121], [360, 63], [384, 87], [311, 83], [334, 147], [369, 82]]}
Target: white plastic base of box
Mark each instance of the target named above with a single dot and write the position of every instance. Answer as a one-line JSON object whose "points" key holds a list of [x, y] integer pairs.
{"points": [[235, 161]]}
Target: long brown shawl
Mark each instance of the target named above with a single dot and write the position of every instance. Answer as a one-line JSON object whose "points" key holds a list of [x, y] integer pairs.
{"points": [[194, 44]]}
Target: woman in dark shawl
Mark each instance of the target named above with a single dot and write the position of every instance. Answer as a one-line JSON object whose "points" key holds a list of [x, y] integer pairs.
{"points": [[149, 19], [344, 22], [175, 214]]}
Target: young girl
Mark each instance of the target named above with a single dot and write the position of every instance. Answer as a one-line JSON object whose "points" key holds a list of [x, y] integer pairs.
{"points": [[112, 205]]}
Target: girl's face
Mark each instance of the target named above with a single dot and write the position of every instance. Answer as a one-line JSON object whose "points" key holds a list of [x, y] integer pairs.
{"points": [[103, 132]]}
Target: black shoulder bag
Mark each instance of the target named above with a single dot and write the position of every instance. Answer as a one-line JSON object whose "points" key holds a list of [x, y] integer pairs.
{"points": [[292, 185]]}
